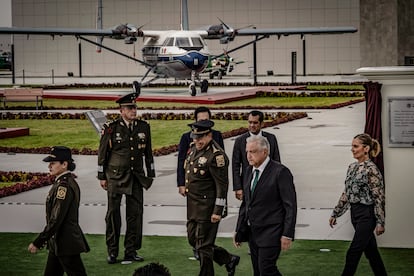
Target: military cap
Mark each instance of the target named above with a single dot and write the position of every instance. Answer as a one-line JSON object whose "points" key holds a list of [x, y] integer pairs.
{"points": [[128, 99], [59, 153], [200, 128]]}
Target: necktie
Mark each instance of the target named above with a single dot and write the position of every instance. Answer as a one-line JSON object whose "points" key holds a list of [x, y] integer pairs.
{"points": [[130, 127], [256, 178]]}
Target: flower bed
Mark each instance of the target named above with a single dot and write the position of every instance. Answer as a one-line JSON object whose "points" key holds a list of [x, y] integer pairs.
{"points": [[25, 182]]}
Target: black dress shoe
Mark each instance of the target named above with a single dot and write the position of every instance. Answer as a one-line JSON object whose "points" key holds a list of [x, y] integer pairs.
{"points": [[231, 266], [111, 259], [133, 258]]}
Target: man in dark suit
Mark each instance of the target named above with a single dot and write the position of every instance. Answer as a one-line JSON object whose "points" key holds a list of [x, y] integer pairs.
{"points": [[267, 215], [125, 144], [239, 158]]}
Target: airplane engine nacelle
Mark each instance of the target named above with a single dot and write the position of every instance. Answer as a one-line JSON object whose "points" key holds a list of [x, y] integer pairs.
{"points": [[130, 40], [215, 30], [225, 40]]}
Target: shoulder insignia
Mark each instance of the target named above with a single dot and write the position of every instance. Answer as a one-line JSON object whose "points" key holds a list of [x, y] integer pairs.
{"points": [[107, 127], [220, 161], [61, 192], [215, 149]]}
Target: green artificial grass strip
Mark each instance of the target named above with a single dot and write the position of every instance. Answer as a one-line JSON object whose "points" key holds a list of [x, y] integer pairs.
{"points": [[304, 257]]}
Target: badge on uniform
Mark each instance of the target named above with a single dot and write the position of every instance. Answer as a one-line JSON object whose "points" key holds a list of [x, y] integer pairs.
{"points": [[220, 161], [202, 160], [61, 192]]}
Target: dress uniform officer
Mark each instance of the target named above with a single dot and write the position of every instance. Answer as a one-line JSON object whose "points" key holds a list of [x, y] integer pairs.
{"points": [[124, 144], [206, 182], [62, 234]]}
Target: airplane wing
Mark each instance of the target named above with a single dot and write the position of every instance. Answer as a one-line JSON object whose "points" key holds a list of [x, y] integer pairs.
{"points": [[123, 31], [226, 33], [57, 31], [296, 31]]}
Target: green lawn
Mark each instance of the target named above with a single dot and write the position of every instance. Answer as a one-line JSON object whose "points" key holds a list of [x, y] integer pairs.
{"points": [[255, 102], [80, 133], [304, 258]]}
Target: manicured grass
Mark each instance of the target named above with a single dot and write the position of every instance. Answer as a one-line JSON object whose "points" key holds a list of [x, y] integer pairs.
{"points": [[304, 258], [256, 102], [80, 133]]}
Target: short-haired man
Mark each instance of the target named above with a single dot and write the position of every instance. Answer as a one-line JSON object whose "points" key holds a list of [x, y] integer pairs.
{"points": [[267, 215], [239, 158]]}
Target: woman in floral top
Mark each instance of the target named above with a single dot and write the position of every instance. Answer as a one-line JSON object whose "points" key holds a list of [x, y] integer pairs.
{"points": [[364, 194]]}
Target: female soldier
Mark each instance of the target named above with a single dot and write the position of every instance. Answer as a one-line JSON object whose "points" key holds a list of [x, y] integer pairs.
{"points": [[62, 233]]}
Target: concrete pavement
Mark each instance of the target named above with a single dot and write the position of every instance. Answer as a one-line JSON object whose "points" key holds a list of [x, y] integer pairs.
{"points": [[316, 149]]}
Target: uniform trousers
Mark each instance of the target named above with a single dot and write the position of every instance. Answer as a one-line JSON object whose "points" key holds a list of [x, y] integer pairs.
{"points": [[364, 222], [72, 265], [134, 213], [202, 236]]}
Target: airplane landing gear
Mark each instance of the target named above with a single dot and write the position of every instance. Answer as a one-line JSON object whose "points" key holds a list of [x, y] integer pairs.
{"points": [[193, 91], [136, 87], [195, 81], [204, 86]]}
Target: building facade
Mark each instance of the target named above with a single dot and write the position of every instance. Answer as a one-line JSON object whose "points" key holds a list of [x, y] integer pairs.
{"points": [[325, 54]]}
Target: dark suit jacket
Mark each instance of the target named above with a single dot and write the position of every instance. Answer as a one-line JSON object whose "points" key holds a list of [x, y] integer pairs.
{"points": [[270, 212], [239, 158], [183, 149]]}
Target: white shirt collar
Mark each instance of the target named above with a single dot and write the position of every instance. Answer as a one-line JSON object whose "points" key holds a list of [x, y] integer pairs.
{"points": [[258, 134], [262, 166]]}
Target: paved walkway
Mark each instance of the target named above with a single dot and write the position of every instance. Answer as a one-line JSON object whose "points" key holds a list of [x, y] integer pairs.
{"points": [[316, 149]]}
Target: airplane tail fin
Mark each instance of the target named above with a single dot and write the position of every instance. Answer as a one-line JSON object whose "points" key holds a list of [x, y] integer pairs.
{"points": [[184, 16], [99, 25]]}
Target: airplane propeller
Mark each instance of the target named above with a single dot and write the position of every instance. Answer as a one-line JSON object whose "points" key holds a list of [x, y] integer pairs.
{"points": [[229, 32]]}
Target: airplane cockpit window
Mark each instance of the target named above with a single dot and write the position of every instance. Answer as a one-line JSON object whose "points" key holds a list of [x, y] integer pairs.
{"points": [[197, 42], [182, 42], [169, 41]]}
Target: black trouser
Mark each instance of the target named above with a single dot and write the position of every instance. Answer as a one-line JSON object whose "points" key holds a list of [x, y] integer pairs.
{"points": [[72, 265], [264, 259], [364, 222], [202, 236], [134, 214]]}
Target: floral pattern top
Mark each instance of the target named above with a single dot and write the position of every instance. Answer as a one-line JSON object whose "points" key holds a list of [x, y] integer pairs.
{"points": [[363, 184]]}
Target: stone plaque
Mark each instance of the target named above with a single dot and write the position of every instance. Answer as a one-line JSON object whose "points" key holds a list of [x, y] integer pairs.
{"points": [[401, 121]]}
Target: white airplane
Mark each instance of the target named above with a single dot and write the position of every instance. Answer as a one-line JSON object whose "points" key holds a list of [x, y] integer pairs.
{"points": [[179, 54]]}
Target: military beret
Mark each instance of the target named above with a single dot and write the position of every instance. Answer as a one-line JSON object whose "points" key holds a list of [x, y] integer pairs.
{"points": [[128, 99], [200, 128], [59, 153]]}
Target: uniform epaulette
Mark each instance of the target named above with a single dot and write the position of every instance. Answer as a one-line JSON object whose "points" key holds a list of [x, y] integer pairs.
{"points": [[140, 120], [108, 123], [215, 149], [107, 126]]}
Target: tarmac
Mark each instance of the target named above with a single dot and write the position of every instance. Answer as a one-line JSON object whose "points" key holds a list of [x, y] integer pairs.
{"points": [[316, 149]]}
